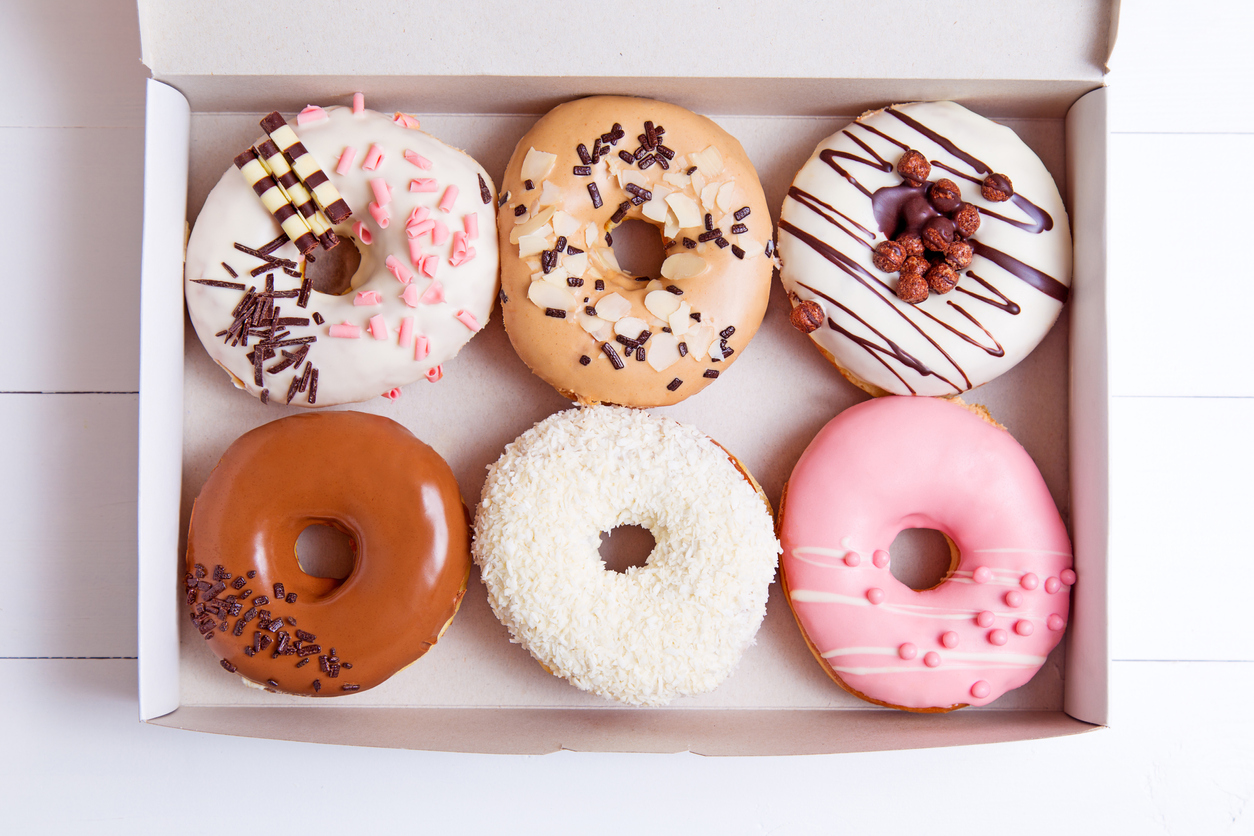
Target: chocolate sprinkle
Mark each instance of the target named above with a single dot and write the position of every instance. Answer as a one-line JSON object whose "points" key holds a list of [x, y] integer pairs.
{"points": [[232, 273], [683, 349], [302, 663], [317, 686], [711, 235], [741, 213], [627, 157], [710, 373], [216, 283], [317, 318], [574, 281], [590, 310], [584, 360], [600, 285], [350, 687], [696, 316], [252, 573], [689, 171], [612, 355], [582, 151], [672, 289], [736, 251], [722, 242], [596, 196], [571, 249], [621, 212], [640, 353], [666, 152], [528, 185], [556, 313], [313, 398], [727, 332], [484, 194], [501, 296], [239, 582], [689, 243], [674, 384], [582, 170], [520, 210], [739, 229]]}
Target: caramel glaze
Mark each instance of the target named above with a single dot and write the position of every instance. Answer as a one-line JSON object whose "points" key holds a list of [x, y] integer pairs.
{"points": [[369, 477]]}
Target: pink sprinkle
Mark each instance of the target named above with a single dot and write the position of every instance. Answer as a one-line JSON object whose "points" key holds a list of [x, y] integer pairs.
{"points": [[1052, 585], [396, 268], [413, 230], [997, 637], [1055, 622], [392, 394], [468, 319], [378, 327], [471, 223], [359, 103], [1014, 598], [373, 157], [423, 184], [410, 295], [1023, 627], [875, 595], [1029, 581], [368, 297], [449, 198], [950, 639], [440, 234], [980, 689], [435, 374], [417, 159], [932, 659], [853, 559], [363, 233], [382, 192], [984, 619], [982, 575], [907, 651], [311, 113], [430, 264], [880, 558], [415, 253], [346, 160], [1067, 577], [380, 214], [434, 294], [407, 330], [422, 347], [346, 331], [405, 120]]}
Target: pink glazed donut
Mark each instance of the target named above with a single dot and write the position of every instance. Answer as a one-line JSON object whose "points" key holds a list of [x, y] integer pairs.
{"points": [[895, 463]]}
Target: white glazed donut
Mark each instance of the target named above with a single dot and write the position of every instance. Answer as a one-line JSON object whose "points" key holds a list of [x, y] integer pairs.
{"points": [[853, 195], [675, 626], [413, 302]]}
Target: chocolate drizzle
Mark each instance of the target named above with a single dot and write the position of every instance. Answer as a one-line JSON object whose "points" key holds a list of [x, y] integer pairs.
{"points": [[1041, 220]]}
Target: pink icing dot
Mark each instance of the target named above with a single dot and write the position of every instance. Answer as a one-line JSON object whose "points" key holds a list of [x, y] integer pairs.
{"points": [[997, 637], [1055, 622], [907, 651], [1067, 576], [1029, 581], [880, 558], [853, 559], [950, 639], [984, 619], [932, 659], [1052, 585], [1023, 627], [875, 595], [1014, 598], [982, 575], [980, 689]]}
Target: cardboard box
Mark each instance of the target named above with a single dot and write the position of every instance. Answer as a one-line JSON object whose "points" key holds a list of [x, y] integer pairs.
{"points": [[779, 80]]}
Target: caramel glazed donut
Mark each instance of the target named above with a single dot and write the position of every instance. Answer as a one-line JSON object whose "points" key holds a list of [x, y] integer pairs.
{"points": [[424, 285], [592, 331], [675, 626], [981, 252], [287, 631]]}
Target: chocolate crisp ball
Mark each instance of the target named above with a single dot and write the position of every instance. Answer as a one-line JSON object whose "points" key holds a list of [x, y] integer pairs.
{"points": [[959, 255], [888, 256], [997, 188], [941, 277], [945, 196], [938, 234], [911, 242], [967, 220], [912, 288], [914, 167]]}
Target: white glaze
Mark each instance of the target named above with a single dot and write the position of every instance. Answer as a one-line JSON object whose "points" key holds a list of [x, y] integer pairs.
{"points": [[900, 322], [351, 369]]}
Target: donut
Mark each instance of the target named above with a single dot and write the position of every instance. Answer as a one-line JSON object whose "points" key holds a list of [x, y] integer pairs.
{"points": [[594, 332], [383, 297], [896, 463], [925, 250], [673, 627], [290, 632]]}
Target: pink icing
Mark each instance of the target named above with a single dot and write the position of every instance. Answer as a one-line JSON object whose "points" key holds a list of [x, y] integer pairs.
{"points": [[410, 295], [396, 268], [345, 331], [423, 184], [434, 374], [471, 224], [368, 297], [359, 103], [407, 331], [417, 159], [363, 233], [378, 327], [346, 160], [382, 192], [422, 347], [434, 294], [373, 157], [857, 486], [380, 214], [311, 113], [448, 199], [468, 319]]}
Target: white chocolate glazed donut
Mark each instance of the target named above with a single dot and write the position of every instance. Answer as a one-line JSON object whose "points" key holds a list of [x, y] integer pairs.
{"points": [[1007, 297], [675, 626], [575, 317], [413, 302]]}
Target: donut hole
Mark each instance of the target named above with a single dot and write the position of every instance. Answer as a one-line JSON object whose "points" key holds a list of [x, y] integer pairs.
{"points": [[626, 546], [323, 551], [331, 271], [921, 558], [638, 248]]}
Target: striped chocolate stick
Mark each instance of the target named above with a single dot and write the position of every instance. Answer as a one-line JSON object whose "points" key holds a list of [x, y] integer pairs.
{"points": [[275, 201], [274, 161], [306, 167]]}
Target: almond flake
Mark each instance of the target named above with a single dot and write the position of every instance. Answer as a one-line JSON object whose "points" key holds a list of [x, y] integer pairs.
{"points": [[687, 213], [655, 210], [594, 325], [546, 295], [709, 161], [630, 326], [699, 338], [550, 194], [683, 266], [613, 307], [566, 224], [662, 303], [680, 322], [533, 244], [542, 217], [576, 265], [725, 196], [663, 351], [537, 165]]}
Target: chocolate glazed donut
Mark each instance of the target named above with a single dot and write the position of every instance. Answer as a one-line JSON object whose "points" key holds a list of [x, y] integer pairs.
{"points": [[365, 475]]}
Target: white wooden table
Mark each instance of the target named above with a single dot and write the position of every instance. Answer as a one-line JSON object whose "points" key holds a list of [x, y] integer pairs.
{"points": [[1179, 753]]}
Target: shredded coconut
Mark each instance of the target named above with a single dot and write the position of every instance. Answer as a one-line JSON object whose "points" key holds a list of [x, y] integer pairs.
{"points": [[673, 627]]}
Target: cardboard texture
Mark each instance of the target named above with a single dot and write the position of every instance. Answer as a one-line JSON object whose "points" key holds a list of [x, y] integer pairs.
{"points": [[475, 691]]}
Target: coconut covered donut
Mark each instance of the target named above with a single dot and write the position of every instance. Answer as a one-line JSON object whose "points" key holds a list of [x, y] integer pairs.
{"points": [[896, 463], [675, 626], [594, 332], [925, 250], [343, 256]]}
